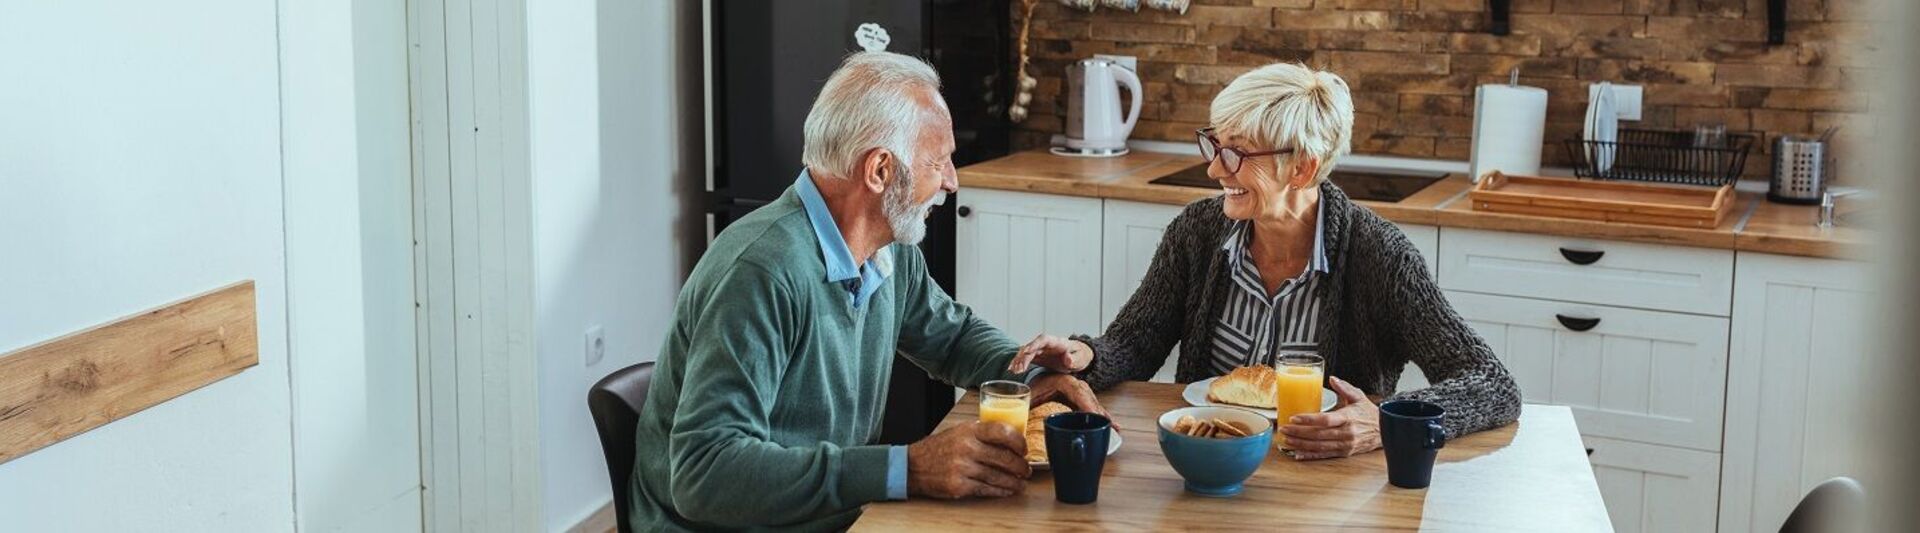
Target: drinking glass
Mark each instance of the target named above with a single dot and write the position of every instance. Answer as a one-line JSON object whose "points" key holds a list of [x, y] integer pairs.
{"points": [[1005, 402], [1300, 373]]}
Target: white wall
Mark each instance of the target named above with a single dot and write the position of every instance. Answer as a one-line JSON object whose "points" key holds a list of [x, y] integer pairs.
{"points": [[349, 217], [140, 164], [604, 106]]}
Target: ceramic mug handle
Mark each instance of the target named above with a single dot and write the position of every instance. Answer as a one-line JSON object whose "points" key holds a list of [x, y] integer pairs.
{"points": [[1436, 437]]}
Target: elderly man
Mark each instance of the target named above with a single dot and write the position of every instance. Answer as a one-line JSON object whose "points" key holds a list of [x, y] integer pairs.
{"points": [[771, 385]]}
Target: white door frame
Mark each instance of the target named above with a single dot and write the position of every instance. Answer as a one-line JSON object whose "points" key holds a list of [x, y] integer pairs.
{"points": [[478, 375]]}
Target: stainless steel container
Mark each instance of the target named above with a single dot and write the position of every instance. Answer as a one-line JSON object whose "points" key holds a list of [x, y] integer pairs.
{"points": [[1800, 167]]}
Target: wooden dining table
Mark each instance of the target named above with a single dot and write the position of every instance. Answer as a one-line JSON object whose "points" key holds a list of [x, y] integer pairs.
{"points": [[1531, 475]]}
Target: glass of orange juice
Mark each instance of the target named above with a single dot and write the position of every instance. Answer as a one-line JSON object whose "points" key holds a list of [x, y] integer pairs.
{"points": [[1300, 374], [1005, 402]]}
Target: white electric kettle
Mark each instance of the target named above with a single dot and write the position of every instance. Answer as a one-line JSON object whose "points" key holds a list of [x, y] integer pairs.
{"points": [[1094, 125]]}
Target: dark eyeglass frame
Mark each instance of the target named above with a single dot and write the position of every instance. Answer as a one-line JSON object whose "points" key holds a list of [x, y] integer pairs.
{"points": [[1210, 148]]}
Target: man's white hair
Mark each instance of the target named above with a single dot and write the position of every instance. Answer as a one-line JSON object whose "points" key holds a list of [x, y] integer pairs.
{"points": [[869, 102], [1289, 106]]}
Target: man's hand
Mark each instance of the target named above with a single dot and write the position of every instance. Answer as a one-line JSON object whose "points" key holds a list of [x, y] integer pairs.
{"points": [[1048, 351], [1069, 390], [975, 459], [1352, 427]]}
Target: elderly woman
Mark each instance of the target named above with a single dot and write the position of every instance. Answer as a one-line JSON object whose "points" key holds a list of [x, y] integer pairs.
{"points": [[1285, 258]]}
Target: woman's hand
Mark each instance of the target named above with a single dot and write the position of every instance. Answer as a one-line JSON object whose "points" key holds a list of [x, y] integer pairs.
{"points": [[1352, 427], [1061, 355]]}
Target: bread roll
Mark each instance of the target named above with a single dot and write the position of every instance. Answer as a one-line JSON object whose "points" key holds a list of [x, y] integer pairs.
{"points": [[1037, 429], [1250, 386]]}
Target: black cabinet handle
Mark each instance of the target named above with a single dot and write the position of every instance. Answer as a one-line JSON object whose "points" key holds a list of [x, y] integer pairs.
{"points": [[1581, 257], [964, 211], [1577, 324]]}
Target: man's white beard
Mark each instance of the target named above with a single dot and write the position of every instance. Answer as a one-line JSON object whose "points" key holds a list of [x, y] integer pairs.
{"points": [[909, 222]]}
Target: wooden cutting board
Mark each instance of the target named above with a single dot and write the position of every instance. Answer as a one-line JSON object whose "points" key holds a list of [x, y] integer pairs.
{"points": [[1631, 202]]}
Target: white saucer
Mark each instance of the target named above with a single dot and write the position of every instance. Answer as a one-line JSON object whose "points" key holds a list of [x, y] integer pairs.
{"points": [[1196, 395]]}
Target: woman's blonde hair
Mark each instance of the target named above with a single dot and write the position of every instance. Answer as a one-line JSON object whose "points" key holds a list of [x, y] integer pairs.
{"points": [[1289, 106]]}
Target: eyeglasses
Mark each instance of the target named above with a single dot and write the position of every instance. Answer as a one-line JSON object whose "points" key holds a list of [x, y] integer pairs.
{"points": [[1230, 157]]}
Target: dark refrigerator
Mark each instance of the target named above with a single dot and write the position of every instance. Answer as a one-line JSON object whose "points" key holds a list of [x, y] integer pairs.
{"points": [[767, 60]]}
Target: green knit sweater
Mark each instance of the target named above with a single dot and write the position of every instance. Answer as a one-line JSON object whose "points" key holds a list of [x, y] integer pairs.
{"points": [[770, 389]]}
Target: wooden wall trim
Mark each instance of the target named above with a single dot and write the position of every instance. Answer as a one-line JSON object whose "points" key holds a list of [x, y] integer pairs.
{"points": [[67, 386], [602, 520]]}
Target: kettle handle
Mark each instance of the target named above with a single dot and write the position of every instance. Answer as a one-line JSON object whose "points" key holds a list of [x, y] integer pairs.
{"points": [[1126, 77]]}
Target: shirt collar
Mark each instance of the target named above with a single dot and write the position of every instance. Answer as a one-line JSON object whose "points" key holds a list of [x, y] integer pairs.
{"points": [[1240, 230], [833, 246]]}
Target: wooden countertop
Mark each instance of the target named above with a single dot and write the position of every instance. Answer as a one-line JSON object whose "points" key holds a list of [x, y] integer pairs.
{"points": [[1790, 230], [1755, 224], [1531, 475]]}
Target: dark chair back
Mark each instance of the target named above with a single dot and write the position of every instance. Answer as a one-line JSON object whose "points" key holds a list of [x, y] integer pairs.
{"points": [[615, 402], [1837, 504]]}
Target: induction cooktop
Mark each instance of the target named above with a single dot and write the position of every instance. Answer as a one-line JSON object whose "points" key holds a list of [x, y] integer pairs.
{"points": [[1378, 185]]}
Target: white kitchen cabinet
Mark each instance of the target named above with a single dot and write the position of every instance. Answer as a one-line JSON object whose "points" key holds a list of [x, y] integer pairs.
{"points": [[1798, 378], [1029, 263], [1655, 488], [1131, 232], [1624, 274], [1637, 375]]}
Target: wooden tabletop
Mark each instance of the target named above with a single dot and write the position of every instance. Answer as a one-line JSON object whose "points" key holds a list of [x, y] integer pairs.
{"points": [[1755, 225], [1529, 476]]}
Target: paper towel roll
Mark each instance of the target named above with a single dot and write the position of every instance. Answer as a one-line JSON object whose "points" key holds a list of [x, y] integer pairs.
{"points": [[1508, 124]]}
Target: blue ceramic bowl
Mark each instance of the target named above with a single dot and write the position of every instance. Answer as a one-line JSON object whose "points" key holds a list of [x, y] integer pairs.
{"points": [[1216, 467]]}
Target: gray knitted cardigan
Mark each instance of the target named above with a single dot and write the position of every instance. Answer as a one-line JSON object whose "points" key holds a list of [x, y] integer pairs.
{"points": [[1380, 310]]}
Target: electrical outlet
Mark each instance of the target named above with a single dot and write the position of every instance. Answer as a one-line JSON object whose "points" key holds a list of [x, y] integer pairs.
{"points": [[596, 345], [1130, 62], [1626, 99]]}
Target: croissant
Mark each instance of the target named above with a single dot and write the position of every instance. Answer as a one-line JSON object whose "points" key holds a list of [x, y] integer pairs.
{"points": [[1251, 386], [1037, 429]]}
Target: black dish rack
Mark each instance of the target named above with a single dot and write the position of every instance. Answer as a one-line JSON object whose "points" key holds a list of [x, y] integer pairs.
{"points": [[1661, 156]]}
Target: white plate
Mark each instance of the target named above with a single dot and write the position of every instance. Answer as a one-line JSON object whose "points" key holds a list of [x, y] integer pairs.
{"points": [[1602, 126], [1113, 445], [1196, 395]]}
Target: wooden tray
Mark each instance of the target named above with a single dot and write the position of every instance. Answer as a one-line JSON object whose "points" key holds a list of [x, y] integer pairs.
{"points": [[1610, 201]]}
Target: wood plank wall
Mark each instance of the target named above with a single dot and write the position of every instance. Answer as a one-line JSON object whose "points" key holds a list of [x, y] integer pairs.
{"points": [[1413, 65]]}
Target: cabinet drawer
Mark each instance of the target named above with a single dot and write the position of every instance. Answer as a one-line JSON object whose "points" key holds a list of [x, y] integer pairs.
{"points": [[1645, 376], [1655, 488], [1646, 276]]}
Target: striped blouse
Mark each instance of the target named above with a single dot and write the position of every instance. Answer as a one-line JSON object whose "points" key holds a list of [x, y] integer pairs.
{"points": [[1253, 326]]}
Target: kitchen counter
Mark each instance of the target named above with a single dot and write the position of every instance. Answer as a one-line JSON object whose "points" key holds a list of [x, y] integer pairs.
{"points": [[1790, 230], [1754, 225]]}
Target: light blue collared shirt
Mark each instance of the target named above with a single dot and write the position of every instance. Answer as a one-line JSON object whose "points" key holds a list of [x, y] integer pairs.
{"points": [[861, 281]]}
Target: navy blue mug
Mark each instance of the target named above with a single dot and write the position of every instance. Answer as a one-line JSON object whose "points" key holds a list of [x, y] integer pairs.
{"points": [[1411, 434], [1077, 451]]}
